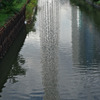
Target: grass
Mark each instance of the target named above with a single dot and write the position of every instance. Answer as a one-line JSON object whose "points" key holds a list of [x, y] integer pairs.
{"points": [[4, 18], [29, 9], [10, 10]]}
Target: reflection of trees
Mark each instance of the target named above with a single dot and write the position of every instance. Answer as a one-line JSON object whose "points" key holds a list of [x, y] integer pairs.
{"points": [[17, 69], [11, 65], [85, 38], [86, 53], [31, 25], [88, 10]]}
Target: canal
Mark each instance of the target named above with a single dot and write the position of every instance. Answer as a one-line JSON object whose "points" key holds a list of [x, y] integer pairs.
{"points": [[57, 57]]}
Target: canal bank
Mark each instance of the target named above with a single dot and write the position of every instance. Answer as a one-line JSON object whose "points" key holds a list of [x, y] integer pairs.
{"points": [[10, 30], [12, 56]]}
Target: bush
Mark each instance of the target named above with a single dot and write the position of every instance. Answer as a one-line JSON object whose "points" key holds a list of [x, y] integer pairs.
{"points": [[9, 8], [29, 9]]}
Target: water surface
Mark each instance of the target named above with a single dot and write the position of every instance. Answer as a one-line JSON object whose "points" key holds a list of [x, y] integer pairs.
{"points": [[58, 58]]}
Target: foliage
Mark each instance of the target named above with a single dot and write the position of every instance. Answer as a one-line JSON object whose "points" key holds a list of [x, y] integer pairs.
{"points": [[29, 9], [98, 2], [9, 8]]}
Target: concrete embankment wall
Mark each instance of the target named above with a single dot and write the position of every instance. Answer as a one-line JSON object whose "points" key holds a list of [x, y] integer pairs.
{"points": [[10, 31]]}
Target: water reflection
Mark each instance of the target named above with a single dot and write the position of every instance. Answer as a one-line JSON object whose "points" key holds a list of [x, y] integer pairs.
{"points": [[88, 10], [75, 35], [69, 62], [86, 54], [49, 37], [17, 69], [10, 66], [85, 39]]}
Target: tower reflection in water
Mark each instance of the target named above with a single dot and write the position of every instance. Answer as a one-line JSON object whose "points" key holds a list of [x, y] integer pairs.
{"points": [[86, 55], [49, 19]]}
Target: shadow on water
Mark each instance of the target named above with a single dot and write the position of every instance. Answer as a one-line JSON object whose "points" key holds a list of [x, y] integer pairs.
{"points": [[10, 66]]}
